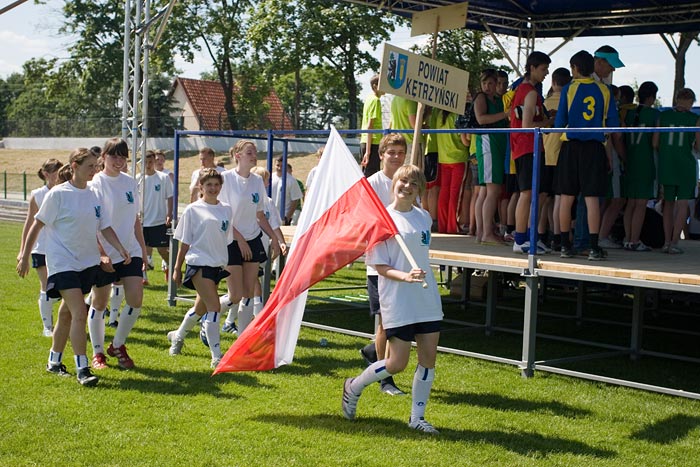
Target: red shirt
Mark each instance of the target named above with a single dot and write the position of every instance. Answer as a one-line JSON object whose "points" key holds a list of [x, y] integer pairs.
{"points": [[523, 143]]}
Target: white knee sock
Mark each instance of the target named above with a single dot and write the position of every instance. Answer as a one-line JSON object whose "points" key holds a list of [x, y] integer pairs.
{"points": [[210, 324], [373, 373], [46, 310], [187, 324], [422, 383], [127, 319], [96, 327], [115, 302], [245, 314], [230, 308], [257, 305]]}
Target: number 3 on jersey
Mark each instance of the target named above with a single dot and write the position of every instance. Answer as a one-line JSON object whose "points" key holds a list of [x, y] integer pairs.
{"points": [[590, 108]]}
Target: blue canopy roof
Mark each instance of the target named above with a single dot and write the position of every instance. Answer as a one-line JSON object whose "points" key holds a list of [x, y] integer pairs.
{"points": [[564, 18]]}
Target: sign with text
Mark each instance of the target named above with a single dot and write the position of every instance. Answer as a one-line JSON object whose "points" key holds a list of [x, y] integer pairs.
{"points": [[422, 79]]}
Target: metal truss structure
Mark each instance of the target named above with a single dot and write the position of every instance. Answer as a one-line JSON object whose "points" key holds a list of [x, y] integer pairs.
{"points": [[139, 40], [554, 18]]}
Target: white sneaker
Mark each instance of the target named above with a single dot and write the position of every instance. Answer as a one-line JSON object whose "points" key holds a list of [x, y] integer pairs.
{"points": [[215, 362], [609, 244], [349, 402], [638, 247], [525, 248], [421, 424], [47, 332], [522, 249], [175, 343], [543, 247]]}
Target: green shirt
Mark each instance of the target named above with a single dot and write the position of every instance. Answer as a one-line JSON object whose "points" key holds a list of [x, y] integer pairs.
{"points": [[372, 110], [676, 161], [451, 150], [401, 110]]}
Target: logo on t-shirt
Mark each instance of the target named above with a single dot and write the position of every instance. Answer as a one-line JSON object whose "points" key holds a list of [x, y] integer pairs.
{"points": [[129, 197], [158, 187], [256, 198], [98, 211], [224, 225], [425, 237]]}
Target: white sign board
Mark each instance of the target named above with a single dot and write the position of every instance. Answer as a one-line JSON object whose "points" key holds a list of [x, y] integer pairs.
{"points": [[422, 79]]}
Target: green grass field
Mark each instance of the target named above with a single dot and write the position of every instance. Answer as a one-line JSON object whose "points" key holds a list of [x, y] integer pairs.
{"points": [[169, 411]]}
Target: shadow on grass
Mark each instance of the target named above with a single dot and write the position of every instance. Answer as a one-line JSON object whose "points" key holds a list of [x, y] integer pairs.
{"points": [[669, 430], [519, 442], [321, 365], [330, 344], [509, 404], [180, 382]]}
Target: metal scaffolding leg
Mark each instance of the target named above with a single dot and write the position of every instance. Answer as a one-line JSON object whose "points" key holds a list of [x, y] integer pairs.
{"points": [[490, 301], [637, 315], [580, 301], [527, 366]]}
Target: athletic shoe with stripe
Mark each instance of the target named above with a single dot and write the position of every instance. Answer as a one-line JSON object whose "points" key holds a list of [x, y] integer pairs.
{"points": [[57, 369], [349, 400], [420, 424], [86, 378], [99, 361], [175, 343], [122, 356]]}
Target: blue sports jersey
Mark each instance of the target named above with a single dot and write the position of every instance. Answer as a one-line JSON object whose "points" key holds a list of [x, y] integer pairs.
{"points": [[586, 103]]}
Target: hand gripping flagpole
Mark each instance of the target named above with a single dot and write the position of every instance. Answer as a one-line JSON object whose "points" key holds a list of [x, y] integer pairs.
{"points": [[409, 256]]}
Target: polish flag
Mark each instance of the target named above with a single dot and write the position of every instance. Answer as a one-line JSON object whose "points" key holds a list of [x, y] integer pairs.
{"points": [[342, 218]]}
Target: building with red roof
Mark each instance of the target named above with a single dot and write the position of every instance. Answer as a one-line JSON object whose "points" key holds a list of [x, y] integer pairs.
{"points": [[199, 105]]}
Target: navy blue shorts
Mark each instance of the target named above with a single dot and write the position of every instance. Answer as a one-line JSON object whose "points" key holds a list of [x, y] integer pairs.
{"points": [[83, 280], [408, 333], [256, 247], [373, 292], [215, 274], [38, 260], [156, 236], [121, 270]]}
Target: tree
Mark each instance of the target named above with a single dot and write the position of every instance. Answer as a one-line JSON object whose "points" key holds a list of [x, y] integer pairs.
{"points": [[221, 28], [309, 33], [97, 61], [319, 94], [10, 89], [465, 49], [679, 51]]}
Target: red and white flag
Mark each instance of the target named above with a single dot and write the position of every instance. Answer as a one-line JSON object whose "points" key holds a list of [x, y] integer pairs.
{"points": [[342, 218]]}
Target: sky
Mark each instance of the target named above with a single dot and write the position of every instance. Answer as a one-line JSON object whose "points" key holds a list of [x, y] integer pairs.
{"points": [[31, 31]]}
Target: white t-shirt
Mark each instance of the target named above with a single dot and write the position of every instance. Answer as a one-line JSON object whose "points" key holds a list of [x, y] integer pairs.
{"points": [[72, 217], [382, 186], [195, 176], [206, 228], [246, 197], [404, 303], [158, 189], [121, 203], [293, 192], [38, 195], [273, 217], [310, 178]]}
